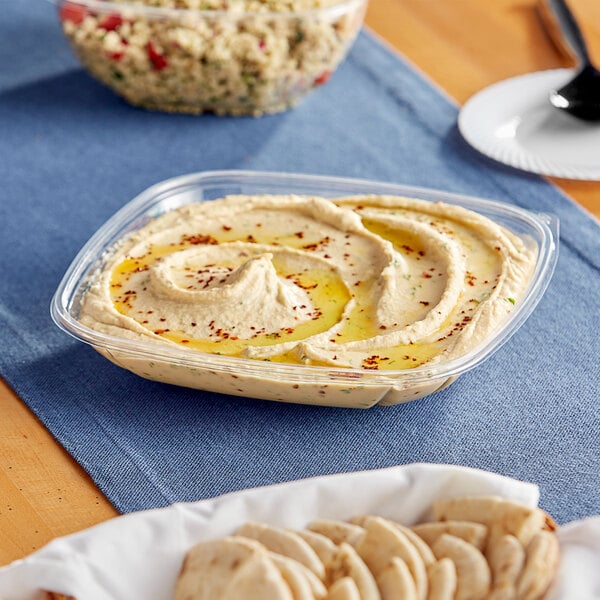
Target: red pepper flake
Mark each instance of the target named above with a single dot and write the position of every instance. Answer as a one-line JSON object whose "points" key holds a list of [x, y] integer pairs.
{"points": [[159, 62], [424, 303], [371, 362], [185, 341], [226, 228], [111, 22], [199, 238], [72, 12], [115, 55], [299, 234], [323, 77]]}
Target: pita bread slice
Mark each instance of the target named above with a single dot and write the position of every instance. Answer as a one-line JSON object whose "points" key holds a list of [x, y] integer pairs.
{"points": [[257, 580], [284, 542], [505, 593], [227, 569], [323, 546], [541, 561], [473, 577], [442, 580], [506, 558], [343, 589], [395, 582], [471, 532], [382, 542], [347, 563], [337, 531], [422, 548], [501, 516], [303, 583]]}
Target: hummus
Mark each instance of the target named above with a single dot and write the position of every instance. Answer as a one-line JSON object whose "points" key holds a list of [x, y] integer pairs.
{"points": [[370, 282]]}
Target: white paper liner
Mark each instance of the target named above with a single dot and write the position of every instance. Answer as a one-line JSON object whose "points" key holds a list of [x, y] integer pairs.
{"points": [[138, 556]]}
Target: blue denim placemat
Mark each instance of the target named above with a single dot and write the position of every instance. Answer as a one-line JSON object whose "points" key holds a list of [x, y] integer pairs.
{"points": [[71, 154]]}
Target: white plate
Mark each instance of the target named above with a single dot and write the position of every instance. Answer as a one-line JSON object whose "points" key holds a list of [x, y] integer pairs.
{"points": [[513, 122], [139, 555]]}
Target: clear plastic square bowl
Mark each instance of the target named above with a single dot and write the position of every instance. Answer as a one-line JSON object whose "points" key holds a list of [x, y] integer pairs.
{"points": [[318, 385]]}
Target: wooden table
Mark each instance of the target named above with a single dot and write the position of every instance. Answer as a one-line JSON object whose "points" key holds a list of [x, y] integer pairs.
{"points": [[463, 45]]}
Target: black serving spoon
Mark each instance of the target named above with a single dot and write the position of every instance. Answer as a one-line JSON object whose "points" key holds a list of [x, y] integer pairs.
{"points": [[580, 97]]}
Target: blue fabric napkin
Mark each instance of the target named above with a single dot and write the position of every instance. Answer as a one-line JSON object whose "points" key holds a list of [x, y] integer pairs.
{"points": [[72, 154]]}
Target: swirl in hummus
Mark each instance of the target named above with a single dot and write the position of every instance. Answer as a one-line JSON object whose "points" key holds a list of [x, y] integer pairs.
{"points": [[371, 282]]}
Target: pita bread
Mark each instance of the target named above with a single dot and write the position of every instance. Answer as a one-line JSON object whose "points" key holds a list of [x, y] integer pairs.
{"points": [[541, 560], [473, 577], [395, 582], [473, 533], [338, 531], [384, 541], [506, 559], [343, 589], [229, 569], [323, 546], [500, 515], [422, 548], [347, 563], [442, 580], [420, 545], [284, 542], [303, 583]]}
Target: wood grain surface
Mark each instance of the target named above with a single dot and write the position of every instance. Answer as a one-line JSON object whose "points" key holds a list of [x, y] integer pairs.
{"points": [[463, 46]]}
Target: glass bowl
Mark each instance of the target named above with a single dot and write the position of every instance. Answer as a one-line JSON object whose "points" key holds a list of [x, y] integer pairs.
{"points": [[307, 384], [236, 57]]}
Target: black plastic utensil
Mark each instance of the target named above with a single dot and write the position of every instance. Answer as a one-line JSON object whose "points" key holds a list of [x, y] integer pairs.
{"points": [[580, 97]]}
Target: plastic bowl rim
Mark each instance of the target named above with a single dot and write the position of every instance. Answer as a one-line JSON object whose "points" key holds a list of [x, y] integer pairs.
{"points": [[162, 12]]}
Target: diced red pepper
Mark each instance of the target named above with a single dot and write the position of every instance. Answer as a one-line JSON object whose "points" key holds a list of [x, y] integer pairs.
{"points": [[323, 78], [111, 22], [72, 12], [159, 62], [115, 55]]}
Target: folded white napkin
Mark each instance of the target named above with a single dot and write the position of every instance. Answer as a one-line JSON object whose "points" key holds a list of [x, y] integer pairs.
{"points": [[139, 555]]}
